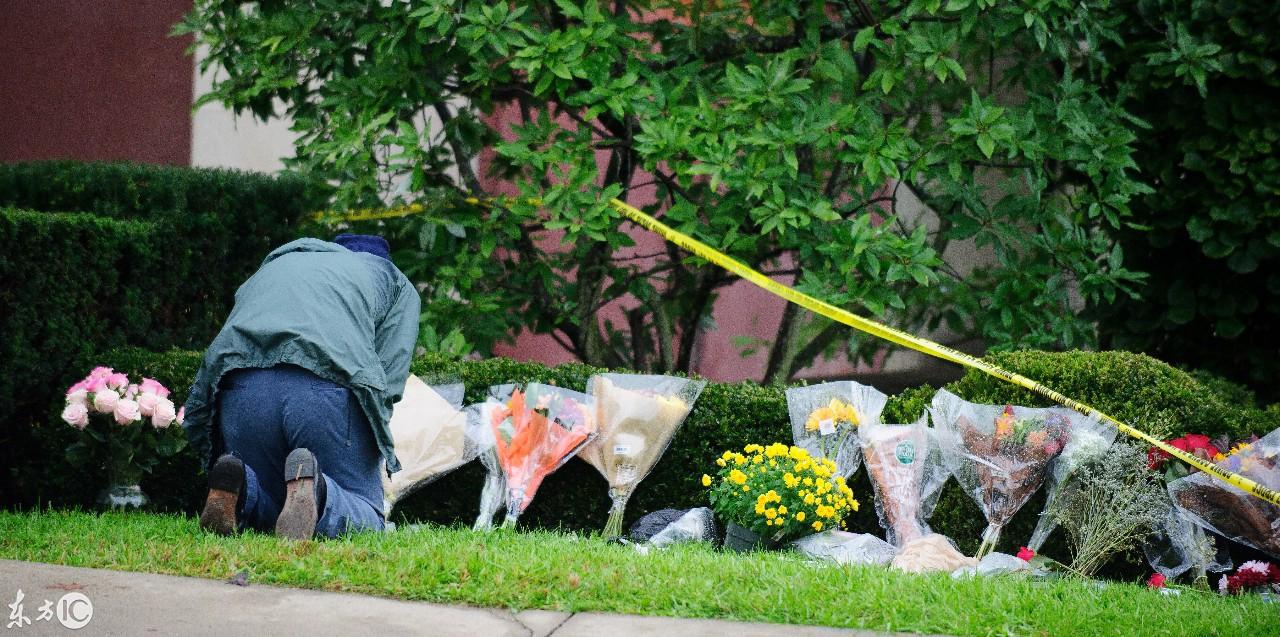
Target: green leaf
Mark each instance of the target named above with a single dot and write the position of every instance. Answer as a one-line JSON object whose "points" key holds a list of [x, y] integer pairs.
{"points": [[863, 38], [986, 144]]}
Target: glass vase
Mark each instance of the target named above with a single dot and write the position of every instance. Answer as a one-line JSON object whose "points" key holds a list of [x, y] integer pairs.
{"points": [[123, 490]]}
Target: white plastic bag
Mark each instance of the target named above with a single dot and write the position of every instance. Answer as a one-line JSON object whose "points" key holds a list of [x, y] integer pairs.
{"points": [[843, 547]]}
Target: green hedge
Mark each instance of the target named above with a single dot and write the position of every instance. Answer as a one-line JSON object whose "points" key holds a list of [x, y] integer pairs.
{"points": [[213, 227], [725, 416], [142, 255]]}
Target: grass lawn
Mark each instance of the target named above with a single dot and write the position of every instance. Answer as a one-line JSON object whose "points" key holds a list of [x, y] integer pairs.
{"points": [[556, 571]]}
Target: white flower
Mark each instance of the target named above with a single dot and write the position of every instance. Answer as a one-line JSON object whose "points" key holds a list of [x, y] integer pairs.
{"points": [[127, 411], [78, 397], [76, 414], [147, 404], [164, 414], [105, 401]]}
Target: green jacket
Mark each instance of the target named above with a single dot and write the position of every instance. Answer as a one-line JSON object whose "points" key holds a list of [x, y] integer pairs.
{"points": [[348, 317]]}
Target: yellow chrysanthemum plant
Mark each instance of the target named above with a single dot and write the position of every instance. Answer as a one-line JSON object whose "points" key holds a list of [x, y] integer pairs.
{"points": [[778, 492]]}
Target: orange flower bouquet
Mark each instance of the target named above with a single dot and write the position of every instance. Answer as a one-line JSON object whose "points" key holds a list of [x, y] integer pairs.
{"points": [[534, 432]]}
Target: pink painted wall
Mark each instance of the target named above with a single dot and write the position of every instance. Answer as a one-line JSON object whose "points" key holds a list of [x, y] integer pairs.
{"points": [[95, 80]]}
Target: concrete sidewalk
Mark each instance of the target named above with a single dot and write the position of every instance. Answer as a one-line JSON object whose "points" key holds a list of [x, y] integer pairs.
{"points": [[138, 603]]}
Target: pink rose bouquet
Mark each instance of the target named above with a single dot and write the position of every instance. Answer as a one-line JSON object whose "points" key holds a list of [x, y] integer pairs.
{"points": [[124, 427]]}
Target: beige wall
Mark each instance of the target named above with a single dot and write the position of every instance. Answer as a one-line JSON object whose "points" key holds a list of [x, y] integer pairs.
{"points": [[222, 139]]}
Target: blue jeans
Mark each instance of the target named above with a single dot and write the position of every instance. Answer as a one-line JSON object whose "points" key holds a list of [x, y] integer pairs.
{"points": [[264, 414]]}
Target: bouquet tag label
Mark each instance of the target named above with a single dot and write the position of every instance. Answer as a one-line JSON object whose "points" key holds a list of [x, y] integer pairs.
{"points": [[905, 452], [622, 450], [827, 427]]}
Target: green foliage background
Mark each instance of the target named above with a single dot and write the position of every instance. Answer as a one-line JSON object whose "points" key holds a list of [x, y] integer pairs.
{"points": [[792, 135], [142, 255], [1203, 76]]}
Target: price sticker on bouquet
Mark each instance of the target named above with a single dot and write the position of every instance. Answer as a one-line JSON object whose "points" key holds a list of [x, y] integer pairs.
{"points": [[827, 427]]}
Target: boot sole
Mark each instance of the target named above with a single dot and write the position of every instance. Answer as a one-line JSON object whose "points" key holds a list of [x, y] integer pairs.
{"points": [[225, 480], [299, 514]]}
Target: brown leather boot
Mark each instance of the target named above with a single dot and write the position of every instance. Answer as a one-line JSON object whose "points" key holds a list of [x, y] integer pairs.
{"points": [[221, 506]]}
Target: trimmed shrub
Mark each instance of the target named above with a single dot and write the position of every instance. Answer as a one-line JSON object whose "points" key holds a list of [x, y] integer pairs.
{"points": [[725, 416], [1159, 399], [213, 227], [147, 255]]}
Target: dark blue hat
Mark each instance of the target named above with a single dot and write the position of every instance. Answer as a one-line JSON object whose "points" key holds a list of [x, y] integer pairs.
{"points": [[371, 243]]}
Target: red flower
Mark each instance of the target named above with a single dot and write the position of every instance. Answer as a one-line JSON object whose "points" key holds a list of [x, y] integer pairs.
{"points": [[1025, 554], [1195, 444], [1156, 580]]}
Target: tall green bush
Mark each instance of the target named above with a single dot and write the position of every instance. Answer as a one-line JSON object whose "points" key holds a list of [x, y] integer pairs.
{"points": [[1202, 75], [725, 416], [143, 255]]}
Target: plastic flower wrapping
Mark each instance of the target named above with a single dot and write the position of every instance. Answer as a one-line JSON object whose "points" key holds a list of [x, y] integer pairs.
{"points": [[1000, 455], [429, 430], [1230, 512], [825, 420], [1087, 439], [1178, 545], [637, 416], [493, 493], [533, 432], [907, 473]]}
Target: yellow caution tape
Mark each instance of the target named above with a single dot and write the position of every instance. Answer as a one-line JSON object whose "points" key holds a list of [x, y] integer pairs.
{"points": [[893, 335]]}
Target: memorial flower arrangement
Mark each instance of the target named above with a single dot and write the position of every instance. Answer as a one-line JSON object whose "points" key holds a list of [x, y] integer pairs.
{"points": [[779, 492], [1088, 440], [999, 455], [637, 416], [1228, 511], [907, 475], [825, 419], [129, 421], [1252, 576], [430, 436], [533, 433]]}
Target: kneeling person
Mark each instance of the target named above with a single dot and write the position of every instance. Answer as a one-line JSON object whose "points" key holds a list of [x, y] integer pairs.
{"points": [[295, 393]]}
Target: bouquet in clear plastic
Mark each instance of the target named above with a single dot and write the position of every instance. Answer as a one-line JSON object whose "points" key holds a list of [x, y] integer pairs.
{"points": [[1087, 440], [1228, 511], [825, 420], [1178, 546], [636, 416], [533, 433], [907, 473], [493, 493], [430, 436], [1000, 455]]}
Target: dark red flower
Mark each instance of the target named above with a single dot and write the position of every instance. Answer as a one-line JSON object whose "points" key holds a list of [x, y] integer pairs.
{"points": [[1195, 444], [1025, 554], [1156, 580]]}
